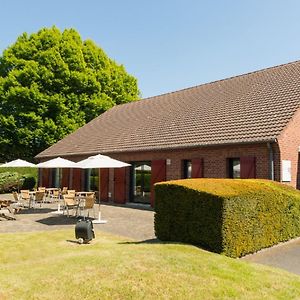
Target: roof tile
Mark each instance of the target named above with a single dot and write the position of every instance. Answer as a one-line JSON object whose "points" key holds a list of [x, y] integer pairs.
{"points": [[253, 107]]}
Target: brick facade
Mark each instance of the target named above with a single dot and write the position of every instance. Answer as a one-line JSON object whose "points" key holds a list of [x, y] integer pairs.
{"points": [[289, 142], [214, 159]]}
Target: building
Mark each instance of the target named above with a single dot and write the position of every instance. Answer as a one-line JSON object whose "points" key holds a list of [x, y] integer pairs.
{"points": [[246, 126]]}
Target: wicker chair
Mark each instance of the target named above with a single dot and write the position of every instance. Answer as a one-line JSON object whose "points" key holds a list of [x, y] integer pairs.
{"points": [[69, 203], [25, 198], [71, 192], [54, 196], [42, 189], [87, 204], [64, 190], [39, 197]]}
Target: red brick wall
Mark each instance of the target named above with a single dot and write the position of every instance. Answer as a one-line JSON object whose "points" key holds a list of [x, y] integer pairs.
{"points": [[289, 142], [214, 160]]}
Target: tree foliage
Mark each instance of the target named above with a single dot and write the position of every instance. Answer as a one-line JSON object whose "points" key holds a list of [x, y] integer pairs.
{"points": [[52, 83]]}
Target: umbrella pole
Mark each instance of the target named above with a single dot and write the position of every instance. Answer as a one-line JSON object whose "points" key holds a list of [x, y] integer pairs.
{"points": [[99, 221]]}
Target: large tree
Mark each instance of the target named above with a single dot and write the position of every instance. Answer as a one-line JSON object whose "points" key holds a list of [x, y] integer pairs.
{"points": [[51, 83]]}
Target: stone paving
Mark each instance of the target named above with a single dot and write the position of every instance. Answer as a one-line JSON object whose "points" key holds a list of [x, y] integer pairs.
{"points": [[136, 223], [284, 255]]}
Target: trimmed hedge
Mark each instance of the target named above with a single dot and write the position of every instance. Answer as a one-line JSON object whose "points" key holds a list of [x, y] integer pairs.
{"points": [[229, 216], [9, 181], [12, 181]]}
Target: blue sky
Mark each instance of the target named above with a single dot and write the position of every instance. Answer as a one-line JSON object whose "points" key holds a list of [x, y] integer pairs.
{"points": [[170, 45]]}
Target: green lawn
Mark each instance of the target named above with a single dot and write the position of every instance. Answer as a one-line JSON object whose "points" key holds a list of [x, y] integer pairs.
{"points": [[44, 265]]}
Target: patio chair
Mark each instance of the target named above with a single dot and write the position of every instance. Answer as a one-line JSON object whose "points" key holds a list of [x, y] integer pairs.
{"points": [[54, 195], [17, 204], [71, 192], [69, 203], [42, 189], [86, 204], [25, 198], [16, 196], [39, 197], [64, 190]]}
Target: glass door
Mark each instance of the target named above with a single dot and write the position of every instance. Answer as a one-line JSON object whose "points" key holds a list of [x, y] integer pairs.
{"points": [[141, 182]]}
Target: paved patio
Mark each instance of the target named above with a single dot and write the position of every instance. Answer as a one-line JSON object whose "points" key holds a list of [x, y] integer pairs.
{"points": [[136, 223]]}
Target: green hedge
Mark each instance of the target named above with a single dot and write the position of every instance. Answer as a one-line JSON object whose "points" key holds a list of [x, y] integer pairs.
{"points": [[12, 181], [230, 216]]}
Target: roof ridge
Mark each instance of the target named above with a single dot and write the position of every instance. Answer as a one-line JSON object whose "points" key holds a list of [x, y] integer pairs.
{"points": [[218, 80]]}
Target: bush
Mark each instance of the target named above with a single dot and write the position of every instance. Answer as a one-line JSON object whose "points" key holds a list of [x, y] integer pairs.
{"points": [[10, 181], [28, 182], [229, 216]]}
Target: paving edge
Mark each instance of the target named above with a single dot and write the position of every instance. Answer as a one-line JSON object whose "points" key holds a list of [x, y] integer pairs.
{"points": [[281, 244]]}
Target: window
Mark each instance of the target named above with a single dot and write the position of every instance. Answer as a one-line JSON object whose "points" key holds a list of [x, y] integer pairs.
{"points": [[56, 177], [141, 182], [234, 168], [187, 169], [91, 179]]}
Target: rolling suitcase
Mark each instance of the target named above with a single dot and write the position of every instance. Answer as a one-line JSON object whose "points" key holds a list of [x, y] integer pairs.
{"points": [[84, 231]]}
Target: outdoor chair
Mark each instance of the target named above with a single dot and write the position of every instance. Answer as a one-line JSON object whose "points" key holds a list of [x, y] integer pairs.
{"points": [[71, 192], [16, 196], [64, 190], [39, 197], [69, 203], [25, 198], [17, 204], [54, 196], [87, 204], [41, 189]]}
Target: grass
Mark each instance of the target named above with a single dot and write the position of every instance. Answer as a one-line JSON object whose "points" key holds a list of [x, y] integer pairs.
{"points": [[44, 265]]}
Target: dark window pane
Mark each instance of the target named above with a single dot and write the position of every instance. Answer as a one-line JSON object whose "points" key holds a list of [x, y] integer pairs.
{"points": [[187, 169], [234, 166]]}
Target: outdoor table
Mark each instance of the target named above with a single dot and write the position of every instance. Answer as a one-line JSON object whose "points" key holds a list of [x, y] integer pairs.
{"points": [[82, 194], [50, 190]]}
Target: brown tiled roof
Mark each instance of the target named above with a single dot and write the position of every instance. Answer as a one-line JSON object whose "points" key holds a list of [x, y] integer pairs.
{"points": [[254, 107]]}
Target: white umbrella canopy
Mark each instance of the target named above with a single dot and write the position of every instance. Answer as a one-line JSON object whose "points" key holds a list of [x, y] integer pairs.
{"points": [[58, 162], [18, 163], [101, 161]]}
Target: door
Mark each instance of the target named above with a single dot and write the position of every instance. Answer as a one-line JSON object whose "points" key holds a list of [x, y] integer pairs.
{"points": [[76, 182], [45, 177], [65, 177], [158, 174], [197, 168], [120, 185], [248, 167], [104, 181], [141, 182]]}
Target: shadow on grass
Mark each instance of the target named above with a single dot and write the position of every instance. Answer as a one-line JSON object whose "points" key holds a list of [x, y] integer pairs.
{"points": [[58, 220], [150, 241], [73, 242], [157, 241]]}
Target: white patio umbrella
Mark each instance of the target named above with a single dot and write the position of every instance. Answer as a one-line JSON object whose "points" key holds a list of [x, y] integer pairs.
{"points": [[101, 161], [98, 162], [57, 162], [18, 163]]}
